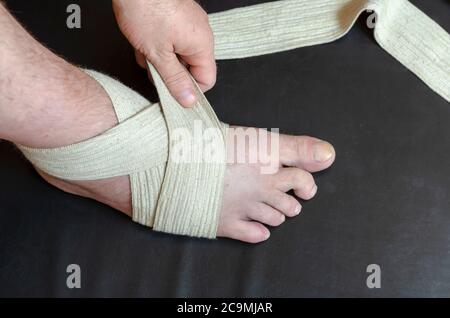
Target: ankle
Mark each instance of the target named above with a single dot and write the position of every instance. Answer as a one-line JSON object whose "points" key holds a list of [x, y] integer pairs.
{"points": [[45, 101], [60, 105]]}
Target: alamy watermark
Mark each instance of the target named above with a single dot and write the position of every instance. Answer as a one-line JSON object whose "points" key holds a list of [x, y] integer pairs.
{"points": [[371, 19], [374, 279], [73, 21], [74, 278], [199, 144]]}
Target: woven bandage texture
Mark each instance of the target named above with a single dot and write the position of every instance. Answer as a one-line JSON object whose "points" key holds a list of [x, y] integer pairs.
{"points": [[184, 196]]}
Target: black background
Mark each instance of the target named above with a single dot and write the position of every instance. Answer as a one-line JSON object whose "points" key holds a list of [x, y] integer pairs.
{"points": [[385, 201]]}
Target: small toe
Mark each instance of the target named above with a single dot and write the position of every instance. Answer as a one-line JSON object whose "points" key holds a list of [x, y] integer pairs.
{"points": [[265, 214], [283, 202], [301, 181], [248, 231]]}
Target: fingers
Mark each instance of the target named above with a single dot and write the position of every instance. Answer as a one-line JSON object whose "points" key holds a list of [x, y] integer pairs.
{"points": [[192, 55], [176, 78], [199, 53], [175, 36], [202, 66]]}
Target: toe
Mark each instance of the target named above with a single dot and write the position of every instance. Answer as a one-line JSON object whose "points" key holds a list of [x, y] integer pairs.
{"points": [[263, 213], [248, 231], [301, 181], [285, 203], [305, 152]]}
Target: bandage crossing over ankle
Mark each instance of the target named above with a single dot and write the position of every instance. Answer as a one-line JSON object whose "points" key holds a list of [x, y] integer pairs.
{"points": [[185, 197]]}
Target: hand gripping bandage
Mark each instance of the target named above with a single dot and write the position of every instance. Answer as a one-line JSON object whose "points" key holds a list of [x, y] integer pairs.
{"points": [[184, 196]]}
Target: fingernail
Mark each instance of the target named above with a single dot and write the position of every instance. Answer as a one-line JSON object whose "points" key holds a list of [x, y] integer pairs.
{"points": [[298, 209], [267, 234], [322, 151], [187, 97]]}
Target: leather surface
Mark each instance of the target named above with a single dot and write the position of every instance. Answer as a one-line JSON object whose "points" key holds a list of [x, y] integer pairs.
{"points": [[385, 201]]}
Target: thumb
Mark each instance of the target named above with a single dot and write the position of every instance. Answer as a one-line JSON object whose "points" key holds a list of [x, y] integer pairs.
{"points": [[177, 79]]}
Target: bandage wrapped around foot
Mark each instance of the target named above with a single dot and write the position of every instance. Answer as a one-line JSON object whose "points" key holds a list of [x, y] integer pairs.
{"points": [[177, 181]]}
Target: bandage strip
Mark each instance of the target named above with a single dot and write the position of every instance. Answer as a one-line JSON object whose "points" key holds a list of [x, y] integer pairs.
{"points": [[171, 194], [401, 29], [183, 196], [192, 183]]}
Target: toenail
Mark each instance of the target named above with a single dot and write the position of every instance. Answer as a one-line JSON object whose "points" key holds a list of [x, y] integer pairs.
{"points": [[314, 190], [322, 151], [298, 209]]}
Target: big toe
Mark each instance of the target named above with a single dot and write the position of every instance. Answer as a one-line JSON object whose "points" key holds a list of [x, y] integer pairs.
{"points": [[305, 152]]}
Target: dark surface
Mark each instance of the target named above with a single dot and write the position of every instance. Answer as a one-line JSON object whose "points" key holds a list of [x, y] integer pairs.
{"points": [[385, 201]]}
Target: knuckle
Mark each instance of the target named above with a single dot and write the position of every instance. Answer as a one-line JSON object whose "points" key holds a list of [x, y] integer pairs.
{"points": [[302, 145], [157, 56], [301, 177], [272, 221], [212, 81], [176, 78], [209, 34], [210, 84], [279, 200], [203, 15]]}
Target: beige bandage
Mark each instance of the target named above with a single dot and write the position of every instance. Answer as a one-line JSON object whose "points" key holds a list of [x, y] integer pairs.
{"points": [[184, 197], [169, 194], [401, 29]]}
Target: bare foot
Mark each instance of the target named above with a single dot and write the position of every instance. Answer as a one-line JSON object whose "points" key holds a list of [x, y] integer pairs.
{"points": [[251, 199]]}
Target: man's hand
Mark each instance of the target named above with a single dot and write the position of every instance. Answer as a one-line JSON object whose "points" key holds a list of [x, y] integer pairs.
{"points": [[175, 36]]}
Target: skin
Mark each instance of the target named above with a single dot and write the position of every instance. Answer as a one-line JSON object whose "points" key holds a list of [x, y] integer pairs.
{"points": [[46, 102], [175, 36]]}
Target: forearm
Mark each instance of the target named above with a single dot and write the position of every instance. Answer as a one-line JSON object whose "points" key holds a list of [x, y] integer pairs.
{"points": [[37, 88]]}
